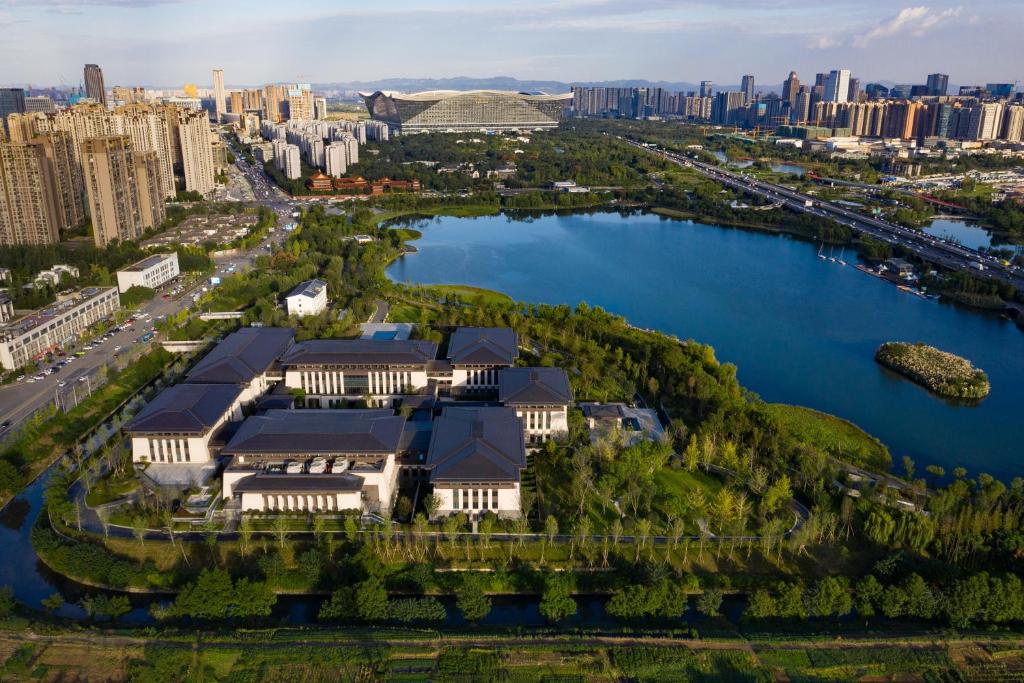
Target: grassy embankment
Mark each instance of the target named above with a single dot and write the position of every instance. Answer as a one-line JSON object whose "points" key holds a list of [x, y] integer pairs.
{"points": [[833, 435]]}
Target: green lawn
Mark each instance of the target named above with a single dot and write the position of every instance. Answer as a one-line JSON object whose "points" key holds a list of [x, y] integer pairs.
{"points": [[833, 435], [471, 294]]}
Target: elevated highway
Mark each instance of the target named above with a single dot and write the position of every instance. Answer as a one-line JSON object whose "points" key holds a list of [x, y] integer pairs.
{"points": [[932, 249]]}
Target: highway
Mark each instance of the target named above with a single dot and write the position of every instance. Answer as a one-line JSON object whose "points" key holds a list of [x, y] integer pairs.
{"points": [[932, 249]]}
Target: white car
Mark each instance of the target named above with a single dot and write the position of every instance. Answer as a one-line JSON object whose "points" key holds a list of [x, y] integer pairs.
{"points": [[293, 467]]}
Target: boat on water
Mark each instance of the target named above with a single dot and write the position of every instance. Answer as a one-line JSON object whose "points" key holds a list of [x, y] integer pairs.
{"points": [[821, 247], [830, 256], [841, 253]]}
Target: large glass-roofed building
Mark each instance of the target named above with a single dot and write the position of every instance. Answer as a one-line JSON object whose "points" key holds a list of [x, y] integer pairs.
{"points": [[454, 110]]}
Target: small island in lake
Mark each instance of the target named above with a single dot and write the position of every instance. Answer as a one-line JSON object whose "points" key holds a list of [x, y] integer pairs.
{"points": [[943, 373]]}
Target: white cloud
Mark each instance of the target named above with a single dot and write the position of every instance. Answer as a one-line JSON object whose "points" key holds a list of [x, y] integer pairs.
{"points": [[916, 21], [824, 42]]}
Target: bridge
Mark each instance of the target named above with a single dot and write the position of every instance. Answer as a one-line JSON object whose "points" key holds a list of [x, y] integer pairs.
{"points": [[931, 249]]}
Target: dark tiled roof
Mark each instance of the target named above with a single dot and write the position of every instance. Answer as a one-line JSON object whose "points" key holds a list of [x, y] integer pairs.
{"points": [[603, 411], [319, 431], [360, 352], [477, 444], [483, 346], [242, 356], [298, 483], [191, 408], [534, 386]]}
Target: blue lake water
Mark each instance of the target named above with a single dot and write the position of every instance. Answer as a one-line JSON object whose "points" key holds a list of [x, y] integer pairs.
{"points": [[800, 329]]}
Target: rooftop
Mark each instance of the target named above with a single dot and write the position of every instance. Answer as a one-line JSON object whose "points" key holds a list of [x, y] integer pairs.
{"points": [[360, 352], [477, 444], [310, 288], [301, 483], [148, 262], [534, 386], [192, 408], [483, 346], [242, 356], [43, 316], [319, 431]]}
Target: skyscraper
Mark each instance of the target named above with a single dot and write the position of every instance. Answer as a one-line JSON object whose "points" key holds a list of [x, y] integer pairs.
{"points": [[854, 92], [837, 86], [790, 89], [938, 84], [94, 87], [747, 88], [12, 101], [220, 107], [705, 88]]}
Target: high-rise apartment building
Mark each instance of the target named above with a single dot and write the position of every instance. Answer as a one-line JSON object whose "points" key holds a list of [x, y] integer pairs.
{"points": [[747, 88], [111, 184], [985, 121], [148, 181], [937, 84], [123, 95], [706, 88], [237, 102], [66, 177], [336, 159], [291, 161], [253, 99], [220, 106], [837, 86], [300, 103], [275, 100], [803, 105], [94, 86], [320, 108], [150, 130], [1013, 124], [193, 131], [29, 212]]}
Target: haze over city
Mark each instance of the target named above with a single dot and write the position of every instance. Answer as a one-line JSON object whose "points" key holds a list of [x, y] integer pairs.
{"points": [[160, 43]]}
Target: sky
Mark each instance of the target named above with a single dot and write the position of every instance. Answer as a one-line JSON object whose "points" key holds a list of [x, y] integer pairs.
{"points": [[172, 42]]}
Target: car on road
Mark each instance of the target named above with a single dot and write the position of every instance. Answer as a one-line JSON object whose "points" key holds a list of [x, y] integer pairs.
{"points": [[61, 383], [20, 378]]}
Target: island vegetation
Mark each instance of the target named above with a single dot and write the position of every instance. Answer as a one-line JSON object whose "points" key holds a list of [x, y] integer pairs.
{"points": [[941, 372]]}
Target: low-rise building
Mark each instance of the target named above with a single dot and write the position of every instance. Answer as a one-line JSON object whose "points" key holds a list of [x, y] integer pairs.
{"points": [[475, 460], [478, 354], [331, 372], [540, 396], [150, 272], [53, 275], [308, 298], [24, 340], [620, 422], [315, 460], [179, 425], [247, 358], [6, 307]]}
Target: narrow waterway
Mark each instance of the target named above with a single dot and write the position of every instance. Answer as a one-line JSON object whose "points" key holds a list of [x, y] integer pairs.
{"points": [[801, 329]]}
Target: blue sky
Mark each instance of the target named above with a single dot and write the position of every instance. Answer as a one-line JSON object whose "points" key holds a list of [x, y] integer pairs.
{"points": [[170, 42]]}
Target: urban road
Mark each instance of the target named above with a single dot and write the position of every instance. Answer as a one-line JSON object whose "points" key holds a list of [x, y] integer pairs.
{"points": [[66, 387], [932, 249]]}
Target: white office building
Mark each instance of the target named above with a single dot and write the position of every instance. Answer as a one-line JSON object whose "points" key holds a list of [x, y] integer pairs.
{"points": [[308, 298], [150, 272], [837, 87], [24, 340]]}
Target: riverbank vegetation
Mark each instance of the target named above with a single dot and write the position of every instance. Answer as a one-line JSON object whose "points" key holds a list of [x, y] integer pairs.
{"points": [[940, 372]]}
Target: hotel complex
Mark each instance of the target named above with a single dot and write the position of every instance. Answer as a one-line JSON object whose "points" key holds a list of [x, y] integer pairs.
{"points": [[323, 432], [474, 110]]}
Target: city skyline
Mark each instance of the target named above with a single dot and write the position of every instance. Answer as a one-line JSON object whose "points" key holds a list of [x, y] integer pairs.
{"points": [[142, 42]]}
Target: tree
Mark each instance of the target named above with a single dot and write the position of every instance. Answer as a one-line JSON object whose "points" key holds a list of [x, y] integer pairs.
{"points": [[831, 597], [371, 600], [252, 599], [7, 602], [762, 604], [550, 531], [341, 606], [471, 600], [281, 527], [139, 529], [556, 602], [113, 606], [710, 602], [869, 595], [53, 602], [777, 494], [432, 503]]}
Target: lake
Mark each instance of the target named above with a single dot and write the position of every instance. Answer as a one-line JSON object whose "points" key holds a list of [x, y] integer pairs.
{"points": [[968, 233], [800, 329]]}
